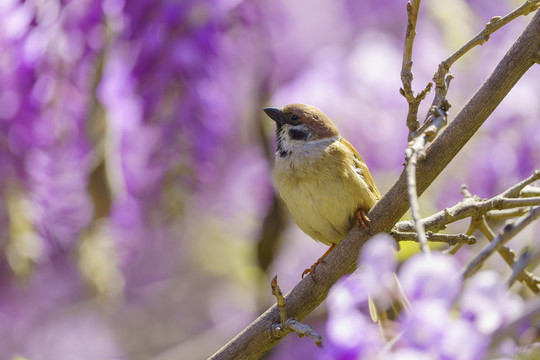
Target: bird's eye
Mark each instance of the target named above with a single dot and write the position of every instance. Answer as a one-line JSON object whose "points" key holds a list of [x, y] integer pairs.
{"points": [[294, 118]]}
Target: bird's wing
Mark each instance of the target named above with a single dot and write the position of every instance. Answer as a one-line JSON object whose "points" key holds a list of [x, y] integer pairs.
{"points": [[363, 170]]}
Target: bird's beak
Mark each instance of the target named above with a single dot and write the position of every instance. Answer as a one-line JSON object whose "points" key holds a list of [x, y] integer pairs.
{"points": [[275, 114]]}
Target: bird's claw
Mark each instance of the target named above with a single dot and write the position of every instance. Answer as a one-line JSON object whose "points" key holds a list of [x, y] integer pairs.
{"points": [[362, 219]]}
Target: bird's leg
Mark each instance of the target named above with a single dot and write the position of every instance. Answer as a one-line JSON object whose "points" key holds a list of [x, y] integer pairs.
{"points": [[362, 219], [311, 270]]}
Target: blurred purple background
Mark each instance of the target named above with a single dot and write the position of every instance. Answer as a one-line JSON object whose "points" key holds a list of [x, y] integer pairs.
{"points": [[138, 212]]}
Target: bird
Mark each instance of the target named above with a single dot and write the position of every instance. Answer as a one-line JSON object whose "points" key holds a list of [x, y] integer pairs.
{"points": [[320, 176]]}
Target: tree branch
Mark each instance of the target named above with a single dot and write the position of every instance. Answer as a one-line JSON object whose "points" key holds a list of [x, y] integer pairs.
{"points": [[515, 190], [416, 151], [509, 257], [440, 78], [286, 324], [506, 214], [450, 239], [406, 70], [530, 191], [471, 206], [443, 77], [508, 232], [519, 272], [255, 340]]}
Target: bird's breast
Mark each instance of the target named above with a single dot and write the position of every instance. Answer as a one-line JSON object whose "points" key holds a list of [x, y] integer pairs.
{"points": [[319, 192]]}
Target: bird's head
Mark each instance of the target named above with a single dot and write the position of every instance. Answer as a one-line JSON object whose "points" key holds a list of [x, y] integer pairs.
{"points": [[297, 123]]}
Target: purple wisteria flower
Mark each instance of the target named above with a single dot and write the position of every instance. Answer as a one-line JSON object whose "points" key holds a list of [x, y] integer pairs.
{"points": [[447, 319], [377, 269], [45, 71], [487, 304], [431, 277], [351, 333], [432, 328], [147, 74]]}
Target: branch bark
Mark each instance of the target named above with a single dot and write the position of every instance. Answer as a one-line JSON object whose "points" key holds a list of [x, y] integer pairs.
{"points": [[415, 152], [442, 78], [472, 207], [450, 239], [509, 257], [509, 231], [406, 72], [256, 339]]}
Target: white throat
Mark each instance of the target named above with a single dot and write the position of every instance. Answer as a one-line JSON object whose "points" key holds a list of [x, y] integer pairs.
{"points": [[297, 149]]}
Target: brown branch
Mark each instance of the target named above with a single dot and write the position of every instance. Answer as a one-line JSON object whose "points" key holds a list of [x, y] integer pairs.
{"points": [[287, 325], [530, 191], [276, 291], [470, 207], [509, 231], [254, 341], [441, 78], [506, 214], [450, 239], [406, 65], [470, 231], [416, 151], [509, 257], [436, 102], [519, 272], [406, 70], [515, 190], [475, 208], [493, 25]]}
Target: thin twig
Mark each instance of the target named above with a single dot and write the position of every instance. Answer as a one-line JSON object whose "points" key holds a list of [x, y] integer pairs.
{"points": [[515, 190], [406, 66], [472, 225], [290, 325], [530, 191], [282, 306], [470, 231], [473, 206], [506, 214], [465, 209], [406, 70], [493, 25], [518, 271], [415, 152], [509, 231], [450, 239], [465, 191], [441, 76], [509, 257], [437, 100], [412, 155]]}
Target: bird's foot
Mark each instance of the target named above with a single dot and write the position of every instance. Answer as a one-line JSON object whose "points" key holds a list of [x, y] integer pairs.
{"points": [[362, 219], [311, 270]]}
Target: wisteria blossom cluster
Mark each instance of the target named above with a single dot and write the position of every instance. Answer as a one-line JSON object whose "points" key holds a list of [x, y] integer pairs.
{"points": [[100, 100], [436, 314]]}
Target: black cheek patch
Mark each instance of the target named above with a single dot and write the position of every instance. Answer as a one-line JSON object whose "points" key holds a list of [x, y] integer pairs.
{"points": [[296, 134], [284, 153]]}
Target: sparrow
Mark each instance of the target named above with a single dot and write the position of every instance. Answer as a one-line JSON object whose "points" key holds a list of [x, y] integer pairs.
{"points": [[320, 176]]}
